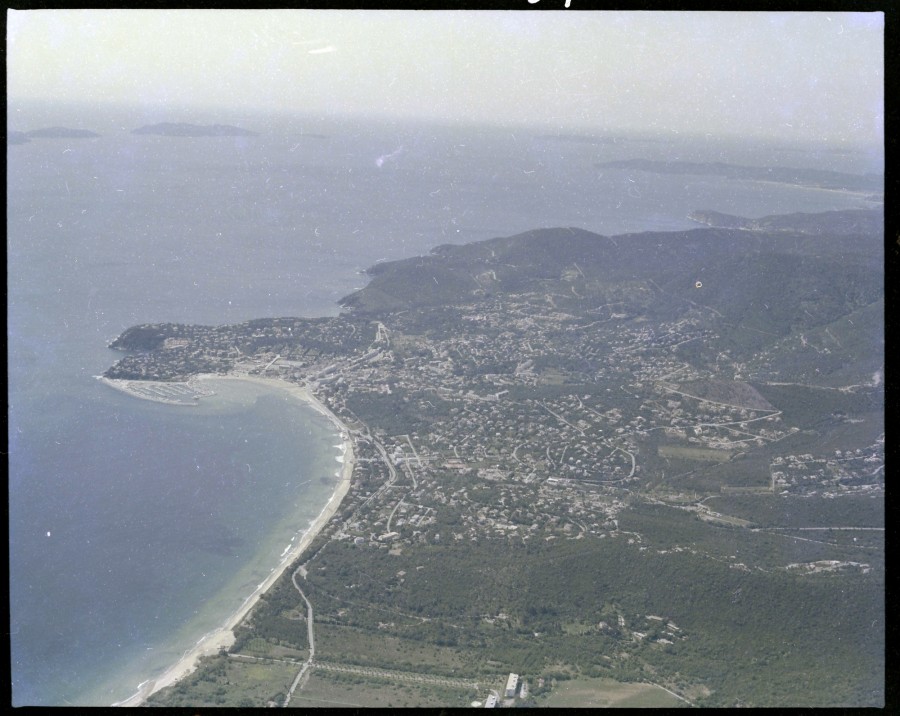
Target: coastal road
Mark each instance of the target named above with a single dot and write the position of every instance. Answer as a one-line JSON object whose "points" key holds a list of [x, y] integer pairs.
{"points": [[391, 480], [312, 642]]}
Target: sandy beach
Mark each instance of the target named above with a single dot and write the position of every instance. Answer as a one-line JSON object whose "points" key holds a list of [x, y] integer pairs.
{"points": [[223, 637]]}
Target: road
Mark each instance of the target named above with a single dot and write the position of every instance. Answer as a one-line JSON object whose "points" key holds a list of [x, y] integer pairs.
{"points": [[312, 642], [391, 480], [631, 455], [396, 507], [561, 418], [271, 362], [819, 529], [669, 691], [768, 414]]}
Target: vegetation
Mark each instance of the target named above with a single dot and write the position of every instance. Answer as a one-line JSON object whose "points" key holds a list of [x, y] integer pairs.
{"points": [[606, 693]]}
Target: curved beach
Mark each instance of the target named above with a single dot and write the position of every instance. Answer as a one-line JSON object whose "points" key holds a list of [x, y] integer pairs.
{"points": [[223, 637]]}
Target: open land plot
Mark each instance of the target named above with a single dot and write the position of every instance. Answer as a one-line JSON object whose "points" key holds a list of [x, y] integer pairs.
{"points": [[259, 647], [724, 519], [229, 683], [806, 406], [790, 511], [855, 546], [333, 689], [356, 646], [607, 693], [692, 453], [858, 429]]}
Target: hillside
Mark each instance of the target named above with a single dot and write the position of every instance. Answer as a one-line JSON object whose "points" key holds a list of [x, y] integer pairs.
{"points": [[757, 287]]}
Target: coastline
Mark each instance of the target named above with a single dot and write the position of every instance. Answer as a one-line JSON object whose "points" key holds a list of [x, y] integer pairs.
{"points": [[223, 637]]}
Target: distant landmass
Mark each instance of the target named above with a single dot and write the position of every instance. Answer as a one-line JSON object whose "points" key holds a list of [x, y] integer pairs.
{"points": [[583, 138], [819, 178], [850, 221], [590, 139], [17, 138], [62, 132], [181, 129]]}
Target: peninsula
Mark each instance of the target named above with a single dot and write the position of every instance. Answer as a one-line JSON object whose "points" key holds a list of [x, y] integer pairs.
{"points": [[817, 178], [648, 468], [848, 222], [181, 129], [61, 133]]}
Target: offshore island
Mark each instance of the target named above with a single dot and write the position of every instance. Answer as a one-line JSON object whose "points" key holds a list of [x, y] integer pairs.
{"points": [[184, 129], [639, 470]]}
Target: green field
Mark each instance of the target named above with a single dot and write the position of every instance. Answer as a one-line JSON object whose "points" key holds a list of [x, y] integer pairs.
{"points": [[335, 690], [692, 453], [794, 511], [348, 645], [229, 682], [606, 693]]}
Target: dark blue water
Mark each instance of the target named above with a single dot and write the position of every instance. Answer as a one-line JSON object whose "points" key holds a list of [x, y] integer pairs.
{"points": [[128, 517], [135, 526]]}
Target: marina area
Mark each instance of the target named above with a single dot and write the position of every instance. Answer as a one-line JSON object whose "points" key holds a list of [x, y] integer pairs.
{"points": [[171, 393]]}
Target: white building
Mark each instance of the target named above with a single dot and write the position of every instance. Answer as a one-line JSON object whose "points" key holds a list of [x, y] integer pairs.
{"points": [[490, 702], [512, 683]]}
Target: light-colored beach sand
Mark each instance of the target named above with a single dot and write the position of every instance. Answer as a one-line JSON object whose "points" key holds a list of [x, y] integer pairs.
{"points": [[223, 637]]}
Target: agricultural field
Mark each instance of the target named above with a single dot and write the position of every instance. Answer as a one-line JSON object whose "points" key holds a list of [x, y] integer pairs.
{"points": [[338, 690], [691, 453], [606, 693], [349, 645], [229, 682]]}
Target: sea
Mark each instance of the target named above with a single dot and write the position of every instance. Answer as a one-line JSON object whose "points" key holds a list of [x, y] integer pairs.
{"points": [[137, 527]]}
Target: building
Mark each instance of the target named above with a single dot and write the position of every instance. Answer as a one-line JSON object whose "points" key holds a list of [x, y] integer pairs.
{"points": [[490, 702], [512, 683]]}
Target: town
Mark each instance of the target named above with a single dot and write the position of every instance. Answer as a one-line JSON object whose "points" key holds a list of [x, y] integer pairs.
{"points": [[562, 412]]}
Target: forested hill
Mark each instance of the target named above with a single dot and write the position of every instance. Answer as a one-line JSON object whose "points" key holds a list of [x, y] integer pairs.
{"points": [[777, 267]]}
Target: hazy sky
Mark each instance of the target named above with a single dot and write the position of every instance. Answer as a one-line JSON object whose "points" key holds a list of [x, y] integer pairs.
{"points": [[792, 75]]}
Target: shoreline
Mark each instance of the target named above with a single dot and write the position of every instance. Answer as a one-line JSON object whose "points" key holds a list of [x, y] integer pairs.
{"points": [[223, 637]]}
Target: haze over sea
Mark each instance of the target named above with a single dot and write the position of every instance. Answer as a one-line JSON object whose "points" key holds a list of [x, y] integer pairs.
{"points": [[136, 527]]}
